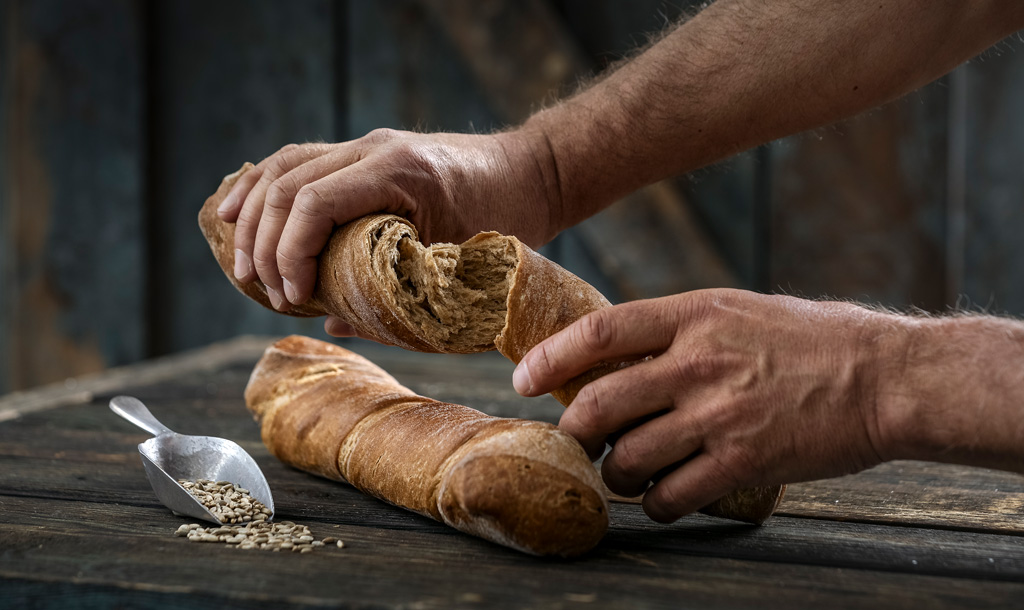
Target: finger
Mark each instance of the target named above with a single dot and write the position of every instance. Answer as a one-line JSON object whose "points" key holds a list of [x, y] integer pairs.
{"points": [[277, 206], [251, 211], [336, 199], [245, 235], [643, 452], [613, 402], [336, 327], [283, 161], [612, 334], [694, 485], [232, 203]]}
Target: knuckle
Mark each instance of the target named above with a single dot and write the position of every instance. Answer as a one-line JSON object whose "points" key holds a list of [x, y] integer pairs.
{"points": [[381, 135], [264, 258], [591, 409], [280, 195], [668, 501], [288, 257], [279, 164], [726, 471], [287, 148], [739, 465], [543, 362], [629, 458], [595, 332], [311, 201], [700, 363]]}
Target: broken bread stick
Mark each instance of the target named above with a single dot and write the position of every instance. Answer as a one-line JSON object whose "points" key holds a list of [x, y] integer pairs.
{"points": [[490, 292]]}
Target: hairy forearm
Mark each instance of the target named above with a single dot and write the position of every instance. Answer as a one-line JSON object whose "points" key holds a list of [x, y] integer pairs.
{"points": [[956, 392], [744, 72]]}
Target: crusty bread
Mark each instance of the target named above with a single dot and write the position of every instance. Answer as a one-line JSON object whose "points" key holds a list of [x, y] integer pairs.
{"points": [[523, 484], [491, 292]]}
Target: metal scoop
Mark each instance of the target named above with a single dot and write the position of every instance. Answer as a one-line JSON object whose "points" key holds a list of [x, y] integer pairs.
{"points": [[170, 456]]}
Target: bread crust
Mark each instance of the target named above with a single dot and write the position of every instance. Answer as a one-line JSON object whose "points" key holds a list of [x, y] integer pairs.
{"points": [[358, 280], [522, 484]]}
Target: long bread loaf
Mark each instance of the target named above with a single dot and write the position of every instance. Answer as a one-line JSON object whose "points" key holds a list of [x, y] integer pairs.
{"points": [[523, 484], [491, 292]]}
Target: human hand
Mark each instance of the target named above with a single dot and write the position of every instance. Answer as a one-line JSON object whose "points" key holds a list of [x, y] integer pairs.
{"points": [[742, 390], [450, 186]]}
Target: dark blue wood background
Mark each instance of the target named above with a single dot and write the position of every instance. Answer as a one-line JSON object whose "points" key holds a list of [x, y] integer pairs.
{"points": [[119, 117]]}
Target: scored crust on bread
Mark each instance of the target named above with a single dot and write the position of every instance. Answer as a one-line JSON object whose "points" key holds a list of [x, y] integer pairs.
{"points": [[522, 484], [490, 292]]}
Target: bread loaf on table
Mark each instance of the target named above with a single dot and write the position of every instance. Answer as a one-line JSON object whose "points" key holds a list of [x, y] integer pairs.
{"points": [[490, 292], [523, 484]]}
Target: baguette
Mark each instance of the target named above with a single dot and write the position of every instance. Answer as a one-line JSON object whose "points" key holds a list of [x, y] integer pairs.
{"points": [[491, 292], [519, 483]]}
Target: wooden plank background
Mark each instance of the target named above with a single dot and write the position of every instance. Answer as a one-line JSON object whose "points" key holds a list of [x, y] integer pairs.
{"points": [[119, 117]]}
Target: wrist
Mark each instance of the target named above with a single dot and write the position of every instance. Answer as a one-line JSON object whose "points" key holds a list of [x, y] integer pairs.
{"points": [[578, 139], [534, 181], [953, 391]]}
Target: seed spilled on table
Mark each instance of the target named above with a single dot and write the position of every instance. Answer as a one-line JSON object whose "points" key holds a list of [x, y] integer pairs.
{"points": [[233, 505]]}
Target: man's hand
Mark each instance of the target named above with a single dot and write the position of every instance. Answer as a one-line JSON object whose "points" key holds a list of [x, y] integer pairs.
{"points": [[741, 390], [450, 186]]}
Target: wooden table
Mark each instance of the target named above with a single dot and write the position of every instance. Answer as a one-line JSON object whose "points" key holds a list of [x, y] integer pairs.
{"points": [[80, 526]]}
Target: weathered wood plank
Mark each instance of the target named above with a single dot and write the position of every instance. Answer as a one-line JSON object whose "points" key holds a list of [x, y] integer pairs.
{"points": [[320, 503], [519, 52], [132, 548], [73, 271], [77, 509], [858, 209], [924, 494], [235, 82], [405, 74], [994, 180], [7, 269], [84, 388]]}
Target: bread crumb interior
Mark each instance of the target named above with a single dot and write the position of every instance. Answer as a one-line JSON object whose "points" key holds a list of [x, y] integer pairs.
{"points": [[457, 294]]}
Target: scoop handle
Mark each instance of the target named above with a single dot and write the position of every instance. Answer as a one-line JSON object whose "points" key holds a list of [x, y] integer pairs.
{"points": [[133, 410]]}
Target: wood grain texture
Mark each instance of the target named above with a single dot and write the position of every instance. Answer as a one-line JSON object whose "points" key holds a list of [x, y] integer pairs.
{"points": [[918, 494], [858, 210], [994, 181], [235, 82], [406, 74], [7, 265], [73, 266], [80, 525]]}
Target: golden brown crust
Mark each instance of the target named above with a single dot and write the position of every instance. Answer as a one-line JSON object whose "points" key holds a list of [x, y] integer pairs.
{"points": [[331, 412], [544, 298], [572, 524], [396, 453], [357, 281], [286, 395]]}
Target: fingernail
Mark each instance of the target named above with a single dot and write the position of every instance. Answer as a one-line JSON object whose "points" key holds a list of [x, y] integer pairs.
{"points": [[289, 291], [243, 266], [275, 298], [521, 379], [224, 205]]}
